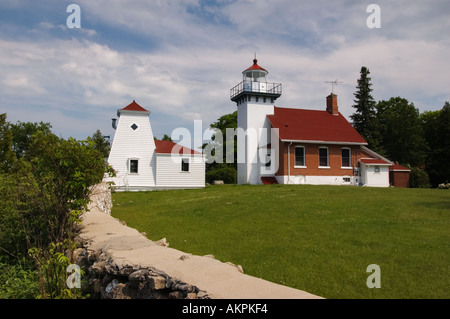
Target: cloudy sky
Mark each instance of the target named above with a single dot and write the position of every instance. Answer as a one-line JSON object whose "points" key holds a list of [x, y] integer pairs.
{"points": [[179, 59]]}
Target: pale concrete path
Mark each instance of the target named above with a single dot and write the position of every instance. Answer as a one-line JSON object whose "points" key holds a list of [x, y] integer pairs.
{"points": [[219, 280]]}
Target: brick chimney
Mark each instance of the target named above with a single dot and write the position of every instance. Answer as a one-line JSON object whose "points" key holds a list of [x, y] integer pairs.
{"points": [[332, 106]]}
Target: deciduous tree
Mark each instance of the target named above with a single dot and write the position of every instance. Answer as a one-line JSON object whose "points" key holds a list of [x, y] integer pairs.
{"points": [[401, 131], [436, 128]]}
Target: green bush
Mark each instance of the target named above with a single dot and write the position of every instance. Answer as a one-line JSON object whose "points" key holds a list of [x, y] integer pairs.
{"points": [[18, 281], [44, 188], [418, 178], [51, 264], [226, 174]]}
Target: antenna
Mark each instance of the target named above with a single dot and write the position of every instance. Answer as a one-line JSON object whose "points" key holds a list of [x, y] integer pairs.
{"points": [[333, 83]]}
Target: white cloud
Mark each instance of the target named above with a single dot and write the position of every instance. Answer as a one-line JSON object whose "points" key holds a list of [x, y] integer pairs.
{"points": [[197, 51]]}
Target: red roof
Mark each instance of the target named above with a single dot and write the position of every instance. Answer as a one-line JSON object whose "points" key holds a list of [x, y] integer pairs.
{"points": [[397, 167], [167, 147], [314, 126], [376, 161], [133, 106], [255, 66]]}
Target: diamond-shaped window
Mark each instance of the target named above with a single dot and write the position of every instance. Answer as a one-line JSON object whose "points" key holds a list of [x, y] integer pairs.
{"points": [[134, 127]]}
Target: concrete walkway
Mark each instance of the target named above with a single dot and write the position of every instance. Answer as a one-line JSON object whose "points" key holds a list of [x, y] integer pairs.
{"points": [[220, 280]]}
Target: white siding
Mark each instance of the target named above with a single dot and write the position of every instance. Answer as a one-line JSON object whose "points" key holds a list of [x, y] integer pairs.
{"points": [[136, 144], [169, 174], [376, 179], [252, 119]]}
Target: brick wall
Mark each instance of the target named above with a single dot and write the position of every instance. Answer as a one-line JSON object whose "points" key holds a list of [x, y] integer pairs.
{"points": [[399, 178], [312, 160]]}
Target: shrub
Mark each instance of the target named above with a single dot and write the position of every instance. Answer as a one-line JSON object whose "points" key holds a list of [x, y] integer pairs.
{"points": [[225, 173], [418, 178], [43, 192], [51, 264], [18, 281]]}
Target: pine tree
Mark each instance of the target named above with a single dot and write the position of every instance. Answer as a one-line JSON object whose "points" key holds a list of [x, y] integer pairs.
{"points": [[101, 144], [364, 118]]}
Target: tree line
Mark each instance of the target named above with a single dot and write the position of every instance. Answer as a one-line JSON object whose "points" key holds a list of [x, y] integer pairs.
{"points": [[397, 130]]}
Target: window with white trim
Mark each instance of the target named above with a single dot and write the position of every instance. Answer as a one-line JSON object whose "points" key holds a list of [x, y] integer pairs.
{"points": [[376, 169], [323, 157], [299, 156], [133, 165], [346, 157]]}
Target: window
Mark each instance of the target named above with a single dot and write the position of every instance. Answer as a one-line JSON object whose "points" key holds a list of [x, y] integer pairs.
{"points": [[299, 156], [323, 156], [185, 165], [377, 169], [134, 127], [345, 154], [346, 179], [134, 166], [268, 159]]}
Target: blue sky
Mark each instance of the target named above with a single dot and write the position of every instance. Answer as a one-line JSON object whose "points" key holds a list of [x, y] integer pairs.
{"points": [[179, 59]]}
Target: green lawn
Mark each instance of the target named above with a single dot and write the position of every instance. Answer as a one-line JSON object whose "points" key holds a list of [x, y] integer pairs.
{"points": [[315, 238]]}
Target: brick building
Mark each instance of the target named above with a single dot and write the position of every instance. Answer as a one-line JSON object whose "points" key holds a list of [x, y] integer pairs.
{"points": [[300, 146]]}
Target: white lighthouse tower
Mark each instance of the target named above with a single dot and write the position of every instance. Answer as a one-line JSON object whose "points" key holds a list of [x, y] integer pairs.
{"points": [[255, 98]]}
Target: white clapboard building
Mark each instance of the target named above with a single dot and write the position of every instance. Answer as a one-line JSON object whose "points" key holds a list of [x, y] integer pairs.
{"points": [[143, 163]]}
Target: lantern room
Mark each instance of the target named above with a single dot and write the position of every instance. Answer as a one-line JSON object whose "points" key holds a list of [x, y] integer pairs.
{"points": [[255, 83], [255, 73]]}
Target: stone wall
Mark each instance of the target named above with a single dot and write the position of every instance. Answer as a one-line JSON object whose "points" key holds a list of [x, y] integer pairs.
{"points": [[104, 279], [101, 198], [121, 263]]}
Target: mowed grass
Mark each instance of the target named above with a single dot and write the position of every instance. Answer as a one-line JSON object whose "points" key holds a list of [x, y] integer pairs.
{"points": [[320, 239]]}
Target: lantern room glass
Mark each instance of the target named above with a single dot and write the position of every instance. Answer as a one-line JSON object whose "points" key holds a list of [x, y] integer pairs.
{"points": [[255, 76]]}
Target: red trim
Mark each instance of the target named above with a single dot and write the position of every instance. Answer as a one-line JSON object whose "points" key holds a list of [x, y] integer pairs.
{"points": [[397, 167]]}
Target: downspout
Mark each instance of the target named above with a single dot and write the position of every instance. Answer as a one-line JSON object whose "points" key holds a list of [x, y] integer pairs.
{"points": [[289, 162]]}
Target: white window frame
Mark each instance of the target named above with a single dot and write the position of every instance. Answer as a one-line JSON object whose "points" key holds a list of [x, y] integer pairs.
{"points": [[349, 158], [377, 169], [304, 157], [328, 156], [137, 166]]}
